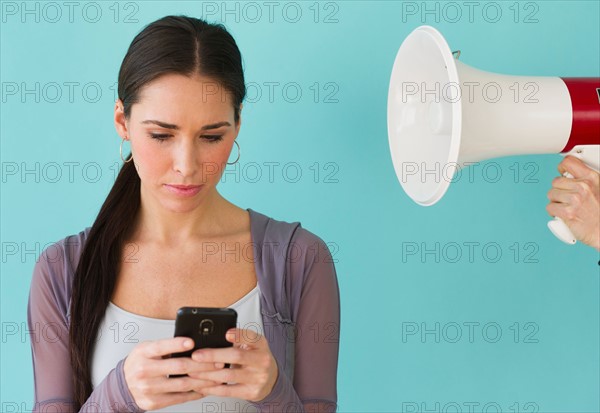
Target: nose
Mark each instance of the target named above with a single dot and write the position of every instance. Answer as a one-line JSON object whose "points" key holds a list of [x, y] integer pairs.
{"points": [[184, 157]]}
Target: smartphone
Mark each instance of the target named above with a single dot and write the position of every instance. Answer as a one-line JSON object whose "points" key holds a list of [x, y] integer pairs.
{"points": [[206, 326]]}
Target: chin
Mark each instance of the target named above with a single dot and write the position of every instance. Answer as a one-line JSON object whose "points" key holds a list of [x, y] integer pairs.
{"points": [[180, 205]]}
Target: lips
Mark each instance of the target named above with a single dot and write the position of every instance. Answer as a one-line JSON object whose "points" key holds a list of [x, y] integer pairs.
{"points": [[184, 186], [184, 190]]}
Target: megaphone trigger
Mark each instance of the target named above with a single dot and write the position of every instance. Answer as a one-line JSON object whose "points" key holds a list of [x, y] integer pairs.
{"points": [[562, 231]]}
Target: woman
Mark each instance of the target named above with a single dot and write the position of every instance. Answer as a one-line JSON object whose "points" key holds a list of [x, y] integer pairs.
{"points": [[104, 306]]}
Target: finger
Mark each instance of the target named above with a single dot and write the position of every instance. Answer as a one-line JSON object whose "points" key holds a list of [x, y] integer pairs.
{"points": [[245, 336], [158, 348], [562, 211], [559, 196], [200, 366], [575, 167], [561, 182], [177, 384], [197, 374], [231, 355], [238, 376], [172, 366]]}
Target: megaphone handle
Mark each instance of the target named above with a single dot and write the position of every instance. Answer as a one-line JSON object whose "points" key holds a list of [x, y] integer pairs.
{"points": [[559, 228]]}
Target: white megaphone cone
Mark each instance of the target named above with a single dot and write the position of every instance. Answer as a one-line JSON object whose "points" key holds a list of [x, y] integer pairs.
{"points": [[444, 115]]}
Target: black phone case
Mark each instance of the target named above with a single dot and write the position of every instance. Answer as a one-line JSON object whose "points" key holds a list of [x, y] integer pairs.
{"points": [[206, 326]]}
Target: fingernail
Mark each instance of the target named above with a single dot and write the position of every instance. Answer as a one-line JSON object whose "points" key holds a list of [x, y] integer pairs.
{"points": [[197, 356], [188, 343]]}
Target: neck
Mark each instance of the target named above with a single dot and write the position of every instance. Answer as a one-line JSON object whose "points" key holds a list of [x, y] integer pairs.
{"points": [[159, 225]]}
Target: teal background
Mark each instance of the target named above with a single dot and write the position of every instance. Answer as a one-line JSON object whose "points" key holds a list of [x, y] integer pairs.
{"points": [[550, 289]]}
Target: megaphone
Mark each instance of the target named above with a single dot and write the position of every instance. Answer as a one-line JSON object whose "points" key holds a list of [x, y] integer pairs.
{"points": [[444, 115]]}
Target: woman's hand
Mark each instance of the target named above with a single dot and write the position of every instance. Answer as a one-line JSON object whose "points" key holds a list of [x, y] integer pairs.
{"points": [[577, 200], [147, 368], [253, 369]]}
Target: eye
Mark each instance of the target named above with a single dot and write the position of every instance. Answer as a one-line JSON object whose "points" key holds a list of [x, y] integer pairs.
{"points": [[213, 138], [159, 137]]}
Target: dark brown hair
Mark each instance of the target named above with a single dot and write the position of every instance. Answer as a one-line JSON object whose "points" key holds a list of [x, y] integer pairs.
{"points": [[173, 44]]}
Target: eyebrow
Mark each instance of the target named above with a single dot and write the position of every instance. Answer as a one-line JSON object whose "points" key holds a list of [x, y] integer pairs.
{"points": [[175, 127]]}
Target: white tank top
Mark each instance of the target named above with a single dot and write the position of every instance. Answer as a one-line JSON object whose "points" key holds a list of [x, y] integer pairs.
{"points": [[120, 331]]}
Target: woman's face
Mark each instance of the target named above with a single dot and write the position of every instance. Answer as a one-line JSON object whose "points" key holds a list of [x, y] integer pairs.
{"points": [[181, 133]]}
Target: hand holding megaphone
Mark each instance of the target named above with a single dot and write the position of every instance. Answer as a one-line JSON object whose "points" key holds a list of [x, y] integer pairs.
{"points": [[582, 199]]}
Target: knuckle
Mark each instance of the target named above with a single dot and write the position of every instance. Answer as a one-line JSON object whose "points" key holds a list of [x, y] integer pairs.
{"points": [[228, 374], [144, 387], [179, 364], [140, 348], [570, 213], [151, 347], [586, 187], [185, 385], [265, 361], [262, 378], [576, 200], [236, 356], [582, 187], [140, 371]]}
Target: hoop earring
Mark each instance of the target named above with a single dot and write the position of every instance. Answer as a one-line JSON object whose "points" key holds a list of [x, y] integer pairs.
{"points": [[239, 153], [121, 152]]}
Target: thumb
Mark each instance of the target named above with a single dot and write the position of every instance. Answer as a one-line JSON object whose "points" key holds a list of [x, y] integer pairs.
{"points": [[243, 337]]}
